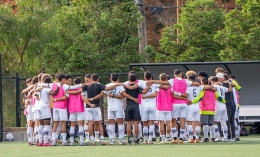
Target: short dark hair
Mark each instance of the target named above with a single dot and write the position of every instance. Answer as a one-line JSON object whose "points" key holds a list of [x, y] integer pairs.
{"points": [[214, 78], [61, 76], [132, 77], [68, 77], [114, 77], [168, 77], [47, 80], [77, 80], [148, 75], [57, 74], [132, 71], [34, 79], [232, 76], [191, 78], [205, 80], [203, 74], [226, 76], [28, 80], [177, 71], [94, 77], [88, 76]]}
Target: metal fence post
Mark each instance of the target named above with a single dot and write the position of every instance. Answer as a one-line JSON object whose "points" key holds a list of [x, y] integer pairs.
{"points": [[18, 118], [1, 103]]}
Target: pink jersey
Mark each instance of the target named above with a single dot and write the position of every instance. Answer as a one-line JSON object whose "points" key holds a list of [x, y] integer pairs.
{"points": [[208, 103], [181, 87], [58, 104], [164, 100], [75, 103]]}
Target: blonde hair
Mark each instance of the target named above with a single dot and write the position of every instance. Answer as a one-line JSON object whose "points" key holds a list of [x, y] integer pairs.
{"points": [[219, 70], [45, 76], [163, 77], [191, 73]]}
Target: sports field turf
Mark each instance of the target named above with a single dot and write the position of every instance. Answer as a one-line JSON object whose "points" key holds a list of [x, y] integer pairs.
{"points": [[248, 146]]}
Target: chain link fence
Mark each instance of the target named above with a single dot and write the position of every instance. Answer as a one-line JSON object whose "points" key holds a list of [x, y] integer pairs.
{"points": [[12, 98]]}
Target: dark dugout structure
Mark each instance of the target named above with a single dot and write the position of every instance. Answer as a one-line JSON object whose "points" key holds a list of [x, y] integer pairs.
{"points": [[247, 74]]}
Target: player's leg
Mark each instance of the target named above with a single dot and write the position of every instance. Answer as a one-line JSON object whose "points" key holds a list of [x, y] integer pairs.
{"points": [[81, 120], [98, 121], [63, 115], [217, 118], [136, 119], [197, 126], [111, 124], [212, 128], [120, 123], [224, 119], [189, 119], [47, 130], [152, 117], [86, 131], [182, 116], [72, 119], [204, 119], [145, 124], [40, 132], [175, 115], [128, 118]]}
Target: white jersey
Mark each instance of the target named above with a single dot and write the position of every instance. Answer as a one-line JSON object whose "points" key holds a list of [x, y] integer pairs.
{"points": [[149, 102], [235, 96], [193, 92], [44, 98], [36, 101], [221, 91], [115, 104], [65, 87]]}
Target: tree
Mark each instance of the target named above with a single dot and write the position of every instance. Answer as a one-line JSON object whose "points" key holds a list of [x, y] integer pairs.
{"points": [[199, 22], [241, 34], [94, 36]]}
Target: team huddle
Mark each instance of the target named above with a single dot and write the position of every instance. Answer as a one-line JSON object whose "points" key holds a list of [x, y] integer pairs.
{"points": [[184, 106]]}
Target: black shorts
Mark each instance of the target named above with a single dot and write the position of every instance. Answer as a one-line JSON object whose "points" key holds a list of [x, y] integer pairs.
{"points": [[132, 115], [206, 119]]}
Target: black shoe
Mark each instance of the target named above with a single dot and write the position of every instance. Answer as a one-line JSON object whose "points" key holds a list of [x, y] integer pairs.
{"points": [[238, 139], [160, 139], [129, 142], [194, 138], [206, 140], [140, 138], [153, 139]]}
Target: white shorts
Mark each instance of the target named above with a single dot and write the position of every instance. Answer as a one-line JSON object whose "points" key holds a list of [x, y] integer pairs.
{"points": [[43, 113], [35, 114], [30, 116], [78, 116], [149, 113], [60, 114], [179, 110], [193, 115], [220, 115], [164, 115], [93, 114], [115, 114]]}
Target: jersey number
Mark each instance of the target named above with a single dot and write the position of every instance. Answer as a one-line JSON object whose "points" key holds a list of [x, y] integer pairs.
{"points": [[194, 93]]}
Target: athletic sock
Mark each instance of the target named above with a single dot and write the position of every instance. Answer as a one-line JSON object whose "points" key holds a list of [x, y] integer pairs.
{"points": [[72, 134], [236, 129], [168, 136], [139, 130], [102, 138], [46, 133], [217, 131], [30, 134], [197, 132], [64, 136], [146, 133], [96, 134], [206, 131], [87, 134], [36, 128], [174, 133], [181, 133], [58, 130], [225, 129], [92, 138], [114, 131], [81, 134], [163, 137], [54, 137], [212, 132], [40, 133], [110, 132], [151, 131], [121, 132], [190, 131]]}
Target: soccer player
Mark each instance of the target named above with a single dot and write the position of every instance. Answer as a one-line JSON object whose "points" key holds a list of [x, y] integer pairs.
{"points": [[44, 112], [132, 113], [87, 82], [231, 109], [221, 111], [207, 109], [77, 114], [93, 107], [179, 104], [164, 108]]}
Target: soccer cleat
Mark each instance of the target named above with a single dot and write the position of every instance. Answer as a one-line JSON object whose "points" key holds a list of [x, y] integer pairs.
{"points": [[233, 140], [122, 143], [40, 144], [197, 141], [114, 140], [180, 142], [64, 144], [238, 139], [140, 139], [111, 143], [150, 142], [212, 140], [174, 142], [47, 144], [136, 142], [191, 140], [30, 143], [206, 140], [225, 140], [218, 139], [153, 139], [53, 144], [145, 142], [184, 139], [87, 140], [129, 142], [97, 140], [58, 141], [83, 144], [72, 144], [93, 143], [103, 143], [163, 142]]}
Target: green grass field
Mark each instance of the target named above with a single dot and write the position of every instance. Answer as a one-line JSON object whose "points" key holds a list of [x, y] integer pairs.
{"points": [[248, 146]]}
